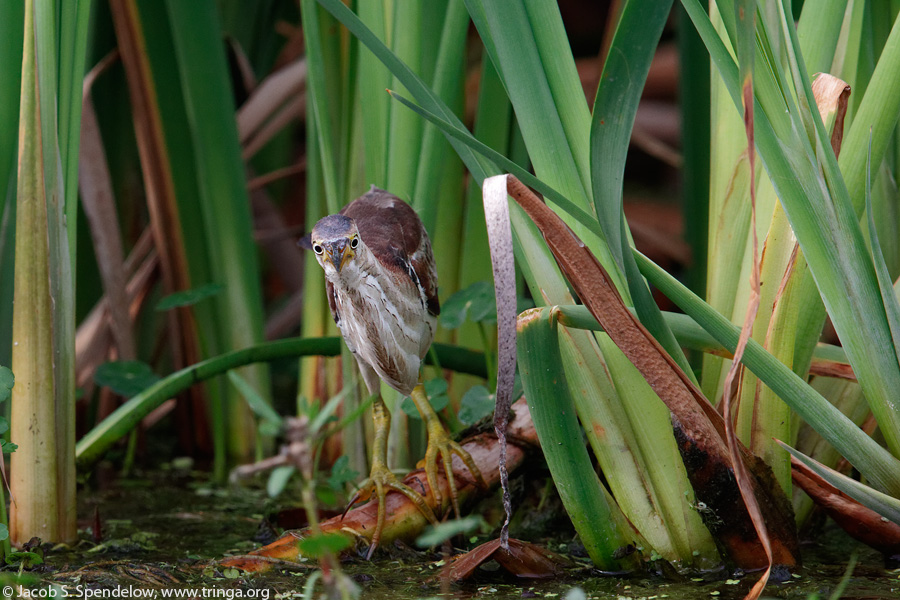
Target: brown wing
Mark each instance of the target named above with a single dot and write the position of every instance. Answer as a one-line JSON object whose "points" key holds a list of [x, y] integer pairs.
{"points": [[394, 233]]}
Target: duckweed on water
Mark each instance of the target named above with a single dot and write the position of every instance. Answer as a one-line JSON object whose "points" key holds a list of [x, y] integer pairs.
{"points": [[166, 534]]}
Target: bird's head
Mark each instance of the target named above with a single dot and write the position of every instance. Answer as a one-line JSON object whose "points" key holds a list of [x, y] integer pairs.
{"points": [[336, 243]]}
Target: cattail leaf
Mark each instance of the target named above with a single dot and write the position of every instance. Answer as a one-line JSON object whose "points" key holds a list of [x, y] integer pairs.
{"points": [[698, 426], [595, 515], [886, 506], [862, 451]]}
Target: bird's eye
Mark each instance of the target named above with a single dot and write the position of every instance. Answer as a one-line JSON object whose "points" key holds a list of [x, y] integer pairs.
{"points": [[354, 242], [318, 249]]}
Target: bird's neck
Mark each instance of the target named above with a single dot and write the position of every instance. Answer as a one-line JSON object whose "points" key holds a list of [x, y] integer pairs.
{"points": [[353, 274]]}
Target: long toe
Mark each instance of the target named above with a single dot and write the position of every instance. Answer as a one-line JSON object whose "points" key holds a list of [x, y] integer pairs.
{"points": [[440, 444], [380, 483]]}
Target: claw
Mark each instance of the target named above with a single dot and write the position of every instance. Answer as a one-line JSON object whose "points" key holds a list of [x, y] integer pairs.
{"points": [[439, 442], [381, 477]]}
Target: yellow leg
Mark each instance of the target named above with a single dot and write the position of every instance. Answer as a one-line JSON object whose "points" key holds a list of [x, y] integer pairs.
{"points": [[381, 477], [440, 442]]}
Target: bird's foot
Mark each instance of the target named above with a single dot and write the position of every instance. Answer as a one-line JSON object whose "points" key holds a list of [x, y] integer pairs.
{"points": [[380, 482], [440, 443]]}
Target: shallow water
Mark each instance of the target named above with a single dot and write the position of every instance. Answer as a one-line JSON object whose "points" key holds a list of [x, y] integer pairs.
{"points": [[164, 534]]}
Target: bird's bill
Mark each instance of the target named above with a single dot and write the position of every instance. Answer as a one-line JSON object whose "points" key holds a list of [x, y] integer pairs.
{"points": [[340, 253]]}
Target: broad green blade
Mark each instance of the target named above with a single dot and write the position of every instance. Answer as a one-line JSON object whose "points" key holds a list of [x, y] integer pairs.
{"points": [[405, 131], [688, 332], [818, 31], [535, 261], [546, 110], [493, 125], [865, 454], [407, 77], [43, 358], [694, 91], [101, 438], [562, 77], [621, 83], [886, 506], [594, 513], [847, 397], [374, 78], [459, 133], [538, 100], [12, 19], [877, 115], [891, 306], [223, 197], [322, 108], [437, 160], [797, 154], [73, 29]]}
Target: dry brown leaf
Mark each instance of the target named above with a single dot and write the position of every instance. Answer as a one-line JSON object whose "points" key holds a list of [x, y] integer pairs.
{"points": [[161, 204], [830, 368], [99, 205], [275, 102], [242, 64], [699, 428], [858, 521], [832, 96], [270, 96], [158, 183], [294, 109], [263, 180], [523, 559], [93, 338], [742, 476], [280, 243]]}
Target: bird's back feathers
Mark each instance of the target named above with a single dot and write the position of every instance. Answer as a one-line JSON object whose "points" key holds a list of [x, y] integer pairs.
{"points": [[395, 235]]}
